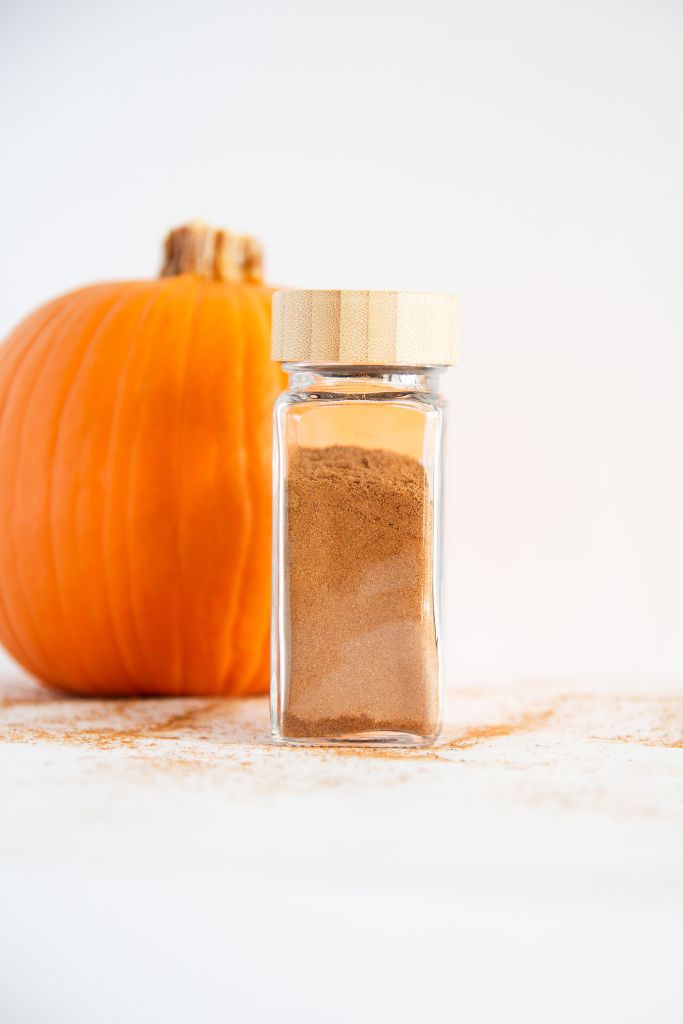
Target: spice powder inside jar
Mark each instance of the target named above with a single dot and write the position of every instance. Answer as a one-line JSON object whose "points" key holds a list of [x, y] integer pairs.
{"points": [[357, 513], [362, 646]]}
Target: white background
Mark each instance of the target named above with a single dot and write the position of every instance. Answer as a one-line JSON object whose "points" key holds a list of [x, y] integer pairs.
{"points": [[527, 156]]}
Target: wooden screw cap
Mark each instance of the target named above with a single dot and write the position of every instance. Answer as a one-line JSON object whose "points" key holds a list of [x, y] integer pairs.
{"points": [[366, 328]]}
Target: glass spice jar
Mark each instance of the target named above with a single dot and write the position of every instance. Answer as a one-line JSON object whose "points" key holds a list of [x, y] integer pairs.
{"points": [[357, 516]]}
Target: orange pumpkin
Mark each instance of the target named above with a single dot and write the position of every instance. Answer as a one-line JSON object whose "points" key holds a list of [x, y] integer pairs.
{"points": [[135, 478]]}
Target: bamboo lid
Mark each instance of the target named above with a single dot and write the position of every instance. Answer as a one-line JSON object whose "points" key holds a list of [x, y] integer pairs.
{"points": [[367, 328]]}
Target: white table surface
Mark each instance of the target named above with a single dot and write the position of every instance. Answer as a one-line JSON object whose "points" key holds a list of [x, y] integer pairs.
{"points": [[161, 860]]}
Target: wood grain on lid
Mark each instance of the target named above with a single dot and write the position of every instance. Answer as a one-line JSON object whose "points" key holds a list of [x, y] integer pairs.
{"points": [[363, 327]]}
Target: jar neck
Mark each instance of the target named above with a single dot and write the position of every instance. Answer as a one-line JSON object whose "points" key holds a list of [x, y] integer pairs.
{"points": [[314, 377]]}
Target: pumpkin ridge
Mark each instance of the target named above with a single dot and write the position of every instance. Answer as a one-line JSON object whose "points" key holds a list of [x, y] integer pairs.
{"points": [[245, 398], [178, 486], [262, 670], [81, 314], [43, 349], [157, 291], [240, 677], [229, 334], [262, 666], [134, 640], [261, 679], [14, 343], [190, 594], [105, 316], [232, 617], [252, 308]]}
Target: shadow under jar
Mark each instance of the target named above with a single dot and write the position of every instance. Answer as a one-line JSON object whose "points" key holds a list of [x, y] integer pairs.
{"points": [[357, 517]]}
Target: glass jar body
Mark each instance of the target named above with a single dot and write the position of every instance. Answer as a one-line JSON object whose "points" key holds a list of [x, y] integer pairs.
{"points": [[357, 522]]}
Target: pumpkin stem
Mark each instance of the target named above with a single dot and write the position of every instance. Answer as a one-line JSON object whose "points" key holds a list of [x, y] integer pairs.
{"points": [[212, 253]]}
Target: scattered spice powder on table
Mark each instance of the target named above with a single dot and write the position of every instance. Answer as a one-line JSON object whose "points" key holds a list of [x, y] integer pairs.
{"points": [[362, 640]]}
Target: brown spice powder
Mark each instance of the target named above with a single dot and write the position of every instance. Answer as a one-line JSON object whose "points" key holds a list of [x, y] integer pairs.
{"points": [[362, 645]]}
